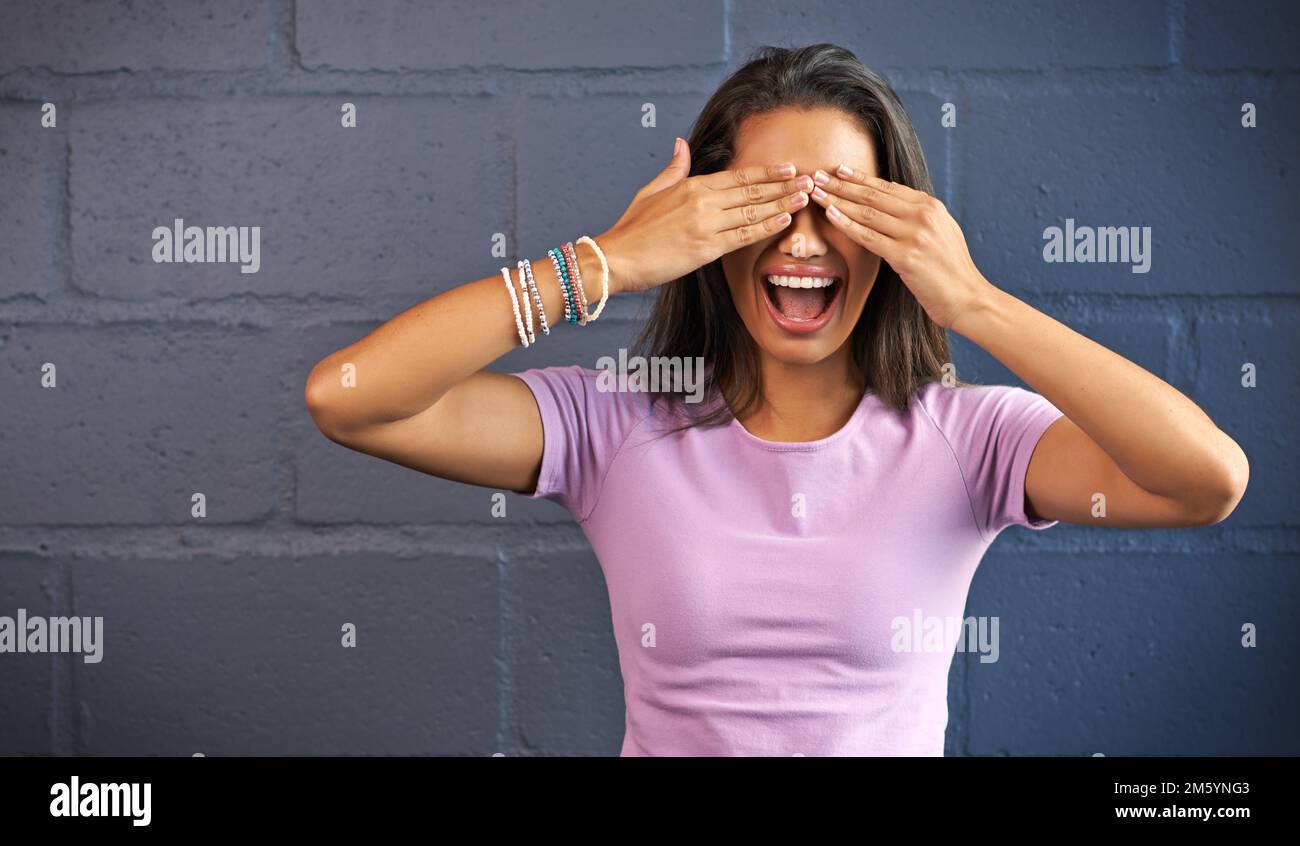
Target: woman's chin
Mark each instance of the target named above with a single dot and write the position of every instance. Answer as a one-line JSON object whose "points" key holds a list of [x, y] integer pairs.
{"points": [[799, 351]]}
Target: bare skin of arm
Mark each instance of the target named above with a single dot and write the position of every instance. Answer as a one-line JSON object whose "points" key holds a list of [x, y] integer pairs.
{"points": [[422, 398], [1157, 457]]}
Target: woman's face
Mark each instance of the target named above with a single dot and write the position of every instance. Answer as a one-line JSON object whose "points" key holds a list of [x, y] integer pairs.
{"points": [[791, 323]]}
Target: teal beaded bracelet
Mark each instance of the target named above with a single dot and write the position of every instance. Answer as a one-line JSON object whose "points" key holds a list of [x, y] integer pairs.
{"points": [[566, 287]]}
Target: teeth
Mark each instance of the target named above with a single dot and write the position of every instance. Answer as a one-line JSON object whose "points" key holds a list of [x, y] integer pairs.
{"points": [[802, 281]]}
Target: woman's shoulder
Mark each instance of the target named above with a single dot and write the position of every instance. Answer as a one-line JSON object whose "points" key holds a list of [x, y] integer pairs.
{"points": [[574, 395], [938, 392], [955, 404], [600, 386]]}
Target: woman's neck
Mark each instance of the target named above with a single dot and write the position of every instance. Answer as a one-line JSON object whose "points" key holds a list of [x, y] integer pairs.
{"points": [[804, 402]]}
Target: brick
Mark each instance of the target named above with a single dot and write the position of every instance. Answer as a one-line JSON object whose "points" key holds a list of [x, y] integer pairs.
{"points": [[1221, 35], [1135, 654], [338, 485], [25, 582], [1109, 34], [1261, 419], [1020, 34], [85, 36], [569, 689], [1218, 197], [245, 657], [409, 35], [141, 418], [401, 206], [31, 162]]}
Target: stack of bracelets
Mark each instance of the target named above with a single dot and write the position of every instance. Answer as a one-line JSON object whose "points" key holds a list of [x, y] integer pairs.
{"points": [[565, 260]]}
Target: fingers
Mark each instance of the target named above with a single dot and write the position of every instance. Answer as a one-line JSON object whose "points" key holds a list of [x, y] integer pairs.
{"points": [[761, 192], [867, 215], [897, 189], [874, 212], [869, 237], [751, 175], [731, 218], [757, 201], [675, 171], [879, 193], [752, 233]]}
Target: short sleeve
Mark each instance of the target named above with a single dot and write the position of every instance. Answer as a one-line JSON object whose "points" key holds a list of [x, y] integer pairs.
{"points": [[583, 428], [992, 431]]}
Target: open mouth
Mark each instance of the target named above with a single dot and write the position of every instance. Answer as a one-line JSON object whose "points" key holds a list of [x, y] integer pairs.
{"points": [[802, 303]]}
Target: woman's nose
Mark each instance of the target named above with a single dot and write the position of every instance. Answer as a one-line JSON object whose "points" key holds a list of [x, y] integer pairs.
{"points": [[803, 238]]}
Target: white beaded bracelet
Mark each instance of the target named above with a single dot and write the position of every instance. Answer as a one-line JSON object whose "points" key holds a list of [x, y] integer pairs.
{"points": [[514, 301], [528, 309], [537, 297], [604, 276]]}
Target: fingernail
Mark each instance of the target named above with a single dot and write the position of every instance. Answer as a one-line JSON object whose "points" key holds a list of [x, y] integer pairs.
{"points": [[821, 177], [804, 183], [820, 194], [832, 211], [677, 145], [783, 218], [844, 170], [786, 169]]}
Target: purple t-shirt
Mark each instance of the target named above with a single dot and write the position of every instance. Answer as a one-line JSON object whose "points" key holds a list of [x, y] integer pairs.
{"points": [[788, 598]]}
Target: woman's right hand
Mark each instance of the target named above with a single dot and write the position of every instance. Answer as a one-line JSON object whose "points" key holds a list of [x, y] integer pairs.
{"points": [[677, 223]]}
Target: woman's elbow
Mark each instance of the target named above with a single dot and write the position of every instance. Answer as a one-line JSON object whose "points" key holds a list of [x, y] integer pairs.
{"points": [[1227, 489], [320, 395]]}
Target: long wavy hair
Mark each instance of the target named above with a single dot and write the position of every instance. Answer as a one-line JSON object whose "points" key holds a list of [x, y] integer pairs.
{"points": [[896, 347]]}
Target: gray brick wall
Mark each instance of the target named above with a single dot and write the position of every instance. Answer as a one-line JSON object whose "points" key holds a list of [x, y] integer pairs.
{"points": [[479, 635]]}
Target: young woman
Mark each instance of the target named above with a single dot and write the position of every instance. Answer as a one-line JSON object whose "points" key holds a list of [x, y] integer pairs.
{"points": [[763, 548]]}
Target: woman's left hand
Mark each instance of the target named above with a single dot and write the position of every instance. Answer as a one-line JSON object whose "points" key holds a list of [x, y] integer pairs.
{"points": [[910, 230]]}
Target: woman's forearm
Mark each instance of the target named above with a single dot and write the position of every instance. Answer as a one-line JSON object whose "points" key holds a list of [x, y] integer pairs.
{"points": [[1160, 439], [404, 365]]}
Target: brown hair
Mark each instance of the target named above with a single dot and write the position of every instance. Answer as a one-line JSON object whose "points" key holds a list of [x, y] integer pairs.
{"points": [[895, 345]]}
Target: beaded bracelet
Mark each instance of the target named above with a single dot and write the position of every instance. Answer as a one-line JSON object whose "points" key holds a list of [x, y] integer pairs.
{"points": [[575, 276], [514, 302], [566, 285], [528, 309], [568, 272], [557, 259], [604, 276], [526, 269]]}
